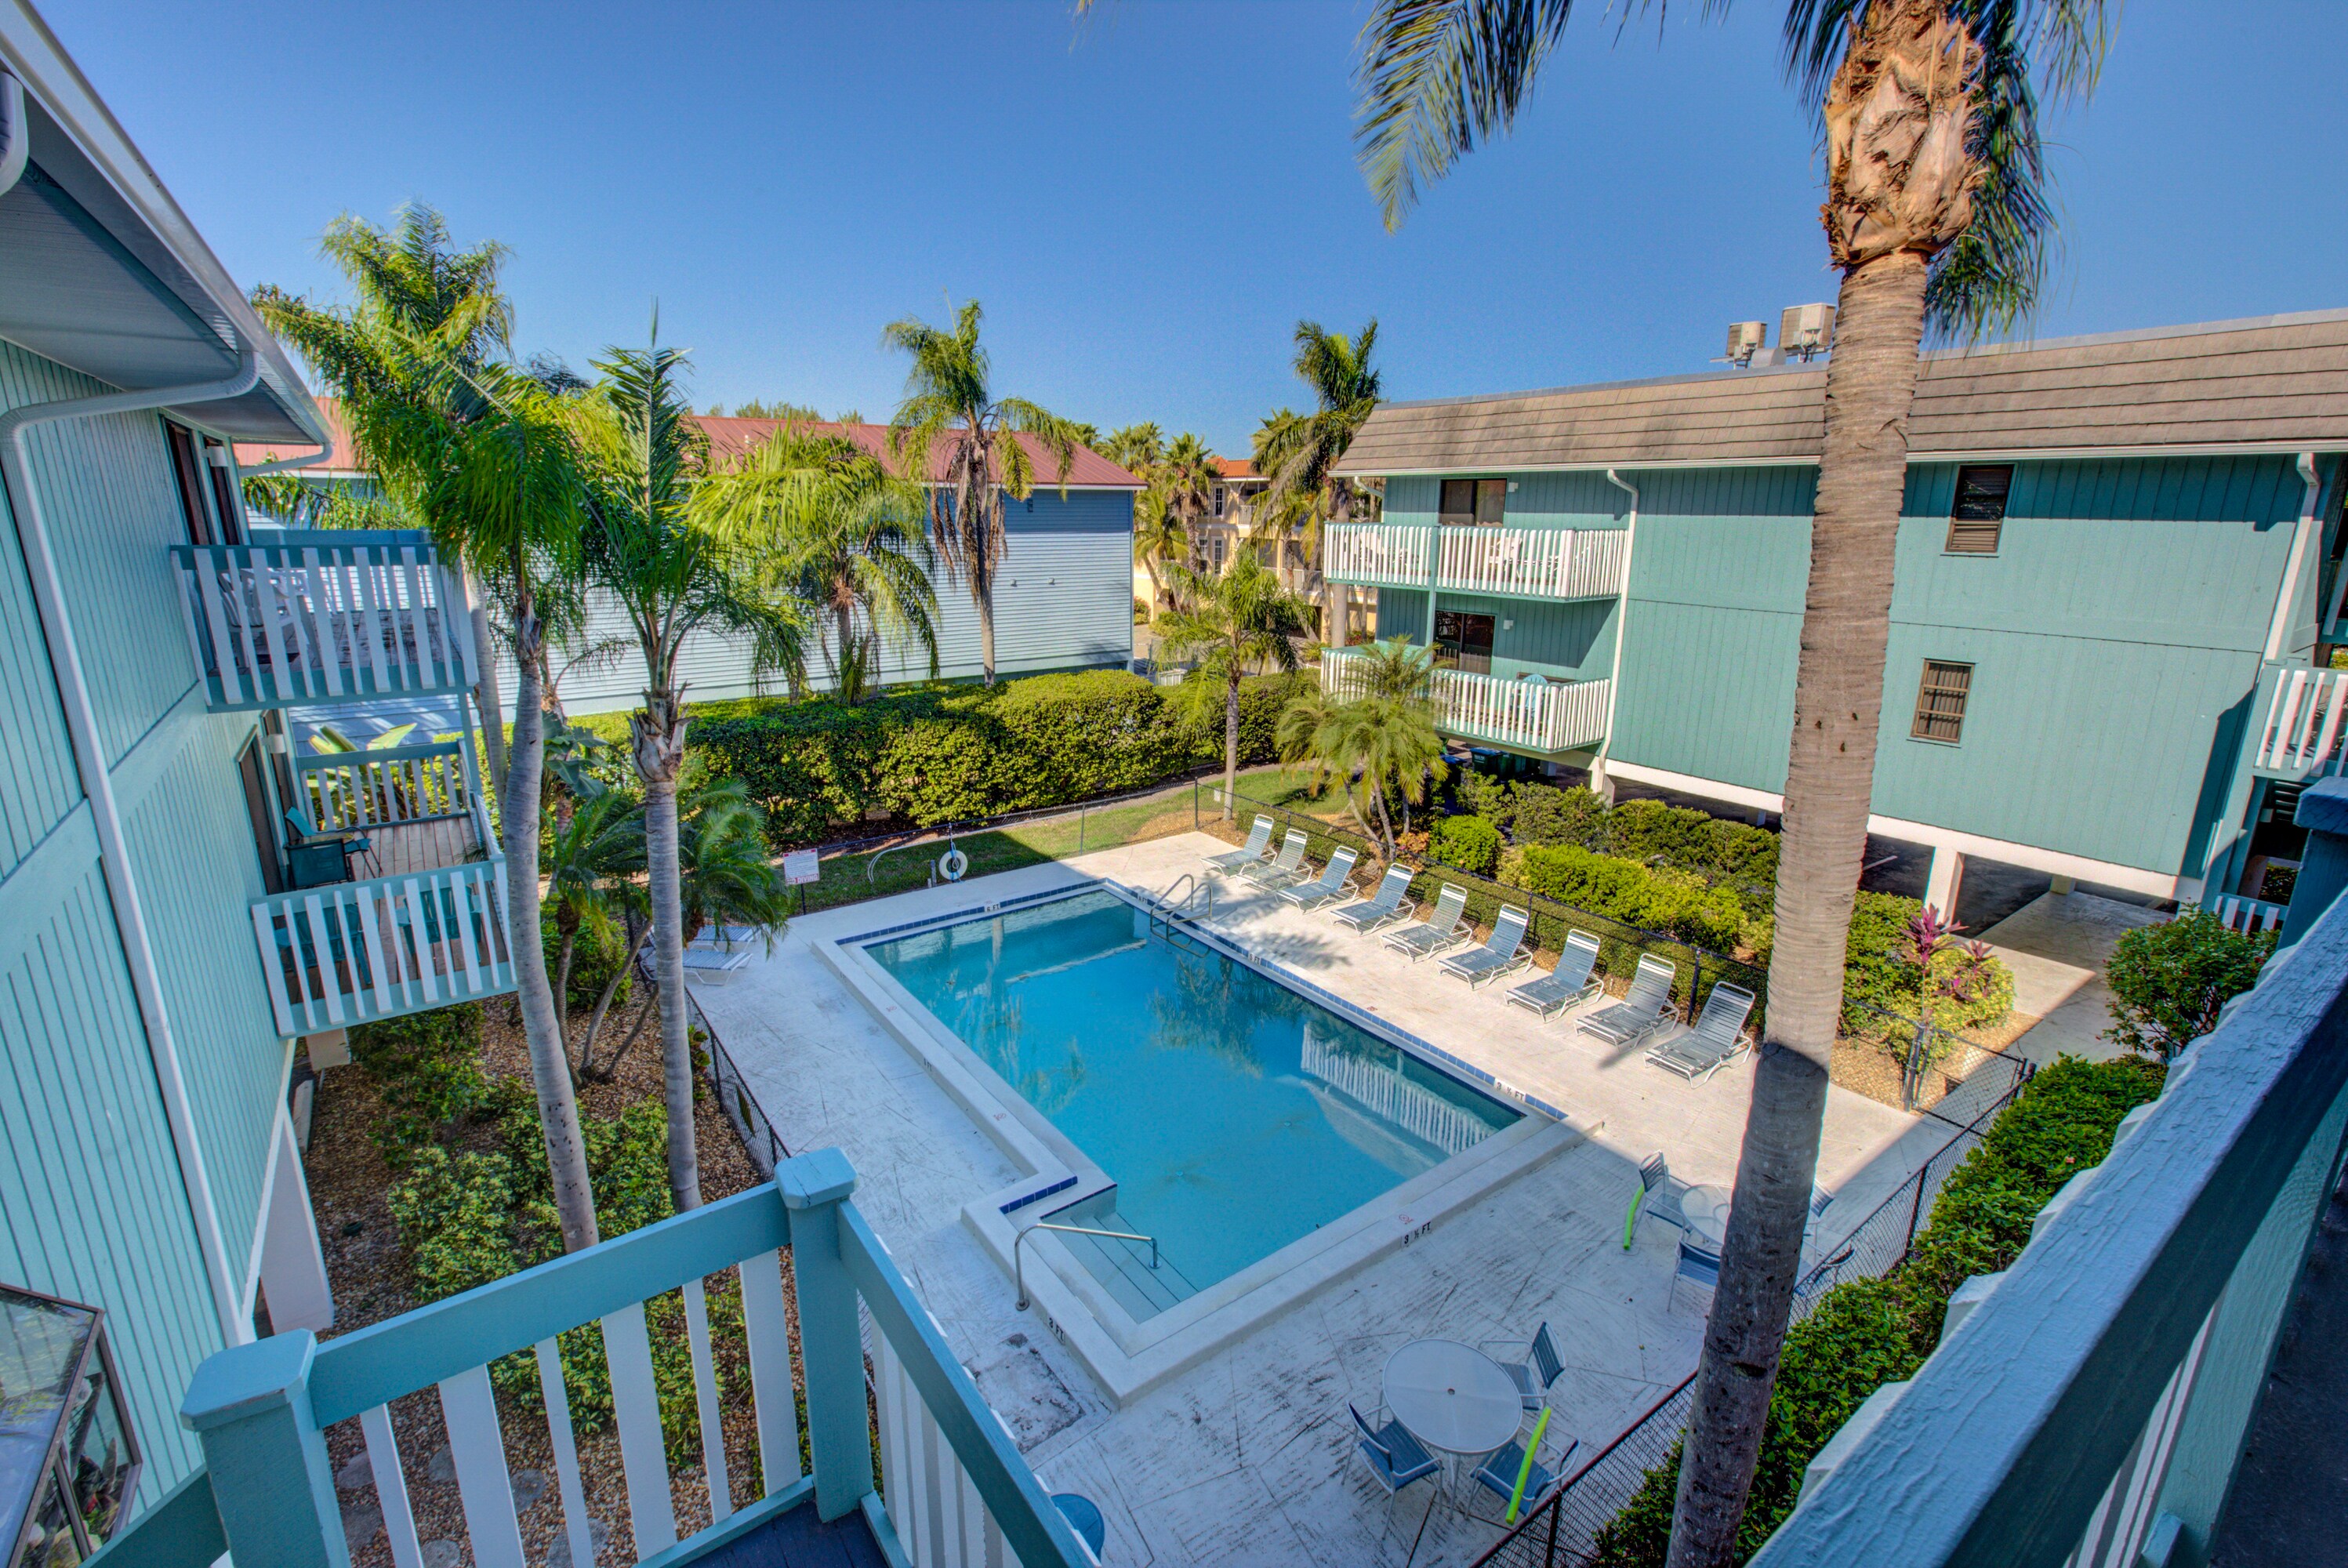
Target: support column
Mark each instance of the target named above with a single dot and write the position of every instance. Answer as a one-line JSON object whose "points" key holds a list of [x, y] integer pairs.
{"points": [[250, 1407], [831, 1344], [1941, 883], [292, 1266]]}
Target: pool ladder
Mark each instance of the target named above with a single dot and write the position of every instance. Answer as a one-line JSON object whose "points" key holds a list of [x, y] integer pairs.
{"points": [[1165, 908], [1019, 1261]]}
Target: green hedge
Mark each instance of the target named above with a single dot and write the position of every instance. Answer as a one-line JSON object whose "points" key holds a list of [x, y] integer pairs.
{"points": [[1866, 1333], [934, 754], [1679, 903], [1648, 832], [1471, 843]]}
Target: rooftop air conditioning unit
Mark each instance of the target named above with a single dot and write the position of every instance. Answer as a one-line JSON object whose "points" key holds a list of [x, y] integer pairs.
{"points": [[1745, 340], [1806, 330]]}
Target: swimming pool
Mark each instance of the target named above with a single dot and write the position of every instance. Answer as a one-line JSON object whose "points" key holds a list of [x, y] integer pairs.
{"points": [[1233, 1115]]}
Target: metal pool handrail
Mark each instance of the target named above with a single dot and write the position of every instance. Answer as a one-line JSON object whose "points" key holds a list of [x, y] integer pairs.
{"points": [[1019, 1260]]}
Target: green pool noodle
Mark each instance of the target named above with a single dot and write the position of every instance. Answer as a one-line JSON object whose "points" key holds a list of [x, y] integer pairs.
{"points": [[1524, 1470]]}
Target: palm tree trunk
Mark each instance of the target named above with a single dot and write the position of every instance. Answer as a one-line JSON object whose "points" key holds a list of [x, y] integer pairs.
{"points": [[1231, 744], [486, 698], [986, 596], [610, 989], [1829, 775], [542, 1023], [659, 736]]}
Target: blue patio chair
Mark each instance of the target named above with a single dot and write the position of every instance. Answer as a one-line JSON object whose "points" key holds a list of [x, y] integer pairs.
{"points": [[1718, 1039], [1329, 884], [1259, 839], [1446, 928], [1283, 868], [1568, 984], [1395, 1457], [1656, 1173], [1699, 1266], [1533, 1368], [1502, 951], [1498, 1473], [1084, 1519], [1646, 1009], [1382, 908]]}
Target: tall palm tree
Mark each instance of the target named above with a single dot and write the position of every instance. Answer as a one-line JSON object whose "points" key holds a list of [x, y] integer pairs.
{"points": [[1184, 480], [478, 451], [840, 534], [1136, 449], [1231, 623], [671, 575], [950, 400], [1162, 540], [1936, 215], [1297, 452]]}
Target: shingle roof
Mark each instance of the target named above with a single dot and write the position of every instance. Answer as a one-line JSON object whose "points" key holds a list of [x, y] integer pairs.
{"points": [[733, 438], [2276, 381]]}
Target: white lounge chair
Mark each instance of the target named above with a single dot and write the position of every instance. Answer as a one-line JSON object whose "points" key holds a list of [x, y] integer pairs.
{"points": [[1445, 929], [1382, 908], [1717, 1039], [1568, 984], [1329, 884], [1284, 867], [1646, 1009], [1259, 839], [1502, 951]]}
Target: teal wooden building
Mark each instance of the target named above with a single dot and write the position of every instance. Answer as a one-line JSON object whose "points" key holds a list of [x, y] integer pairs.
{"points": [[2118, 586], [182, 896]]}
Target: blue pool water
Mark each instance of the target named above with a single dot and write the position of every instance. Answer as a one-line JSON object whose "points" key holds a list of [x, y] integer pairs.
{"points": [[1234, 1115]]}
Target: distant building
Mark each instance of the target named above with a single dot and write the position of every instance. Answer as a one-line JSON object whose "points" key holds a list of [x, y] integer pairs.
{"points": [[1217, 539], [2119, 584]]}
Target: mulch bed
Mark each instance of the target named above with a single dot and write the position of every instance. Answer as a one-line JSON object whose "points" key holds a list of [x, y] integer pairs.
{"points": [[369, 1273]]}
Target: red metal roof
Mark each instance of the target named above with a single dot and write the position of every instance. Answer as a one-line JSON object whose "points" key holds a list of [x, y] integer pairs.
{"points": [[249, 454], [733, 438]]}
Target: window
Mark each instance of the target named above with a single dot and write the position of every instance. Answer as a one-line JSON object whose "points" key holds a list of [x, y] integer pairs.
{"points": [[225, 497], [1474, 501], [1941, 701], [1978, 513], [1463, 642], [189, 471], [1222, 497]]}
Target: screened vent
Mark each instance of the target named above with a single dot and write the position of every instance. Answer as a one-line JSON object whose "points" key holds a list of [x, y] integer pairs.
{"points": [[1941, 701], [1978, 514]]}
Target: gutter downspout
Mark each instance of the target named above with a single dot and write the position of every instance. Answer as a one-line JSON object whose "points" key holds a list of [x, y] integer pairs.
{"points": [[1598, 780], [15, 142], [2300, 539], [97, 785]]}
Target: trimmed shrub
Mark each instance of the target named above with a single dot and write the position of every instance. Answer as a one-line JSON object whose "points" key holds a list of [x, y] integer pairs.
{"points": [[1471, 843], [1678, 903], [1548, 815], [1877, 982], [2169, 981], [1648, 832], [427, 1066], [1866, 1333]]}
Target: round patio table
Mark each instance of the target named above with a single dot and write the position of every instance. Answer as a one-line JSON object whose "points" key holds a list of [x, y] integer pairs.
{"points": [[1706, 1209], [1452, 1396]]}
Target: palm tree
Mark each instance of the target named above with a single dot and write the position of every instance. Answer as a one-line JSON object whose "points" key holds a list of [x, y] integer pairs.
{"points": [[671, 575], [1230, 623], [1937, 217], [841, 534], [1136, 449], [949, 399], [1185, 482], [1160, 540], [1297, 452], [1381, 739], [478, 451], [591, 860]]}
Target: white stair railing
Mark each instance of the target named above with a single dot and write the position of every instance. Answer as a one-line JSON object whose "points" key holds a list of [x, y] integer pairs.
{"points": [[2300, 711]]}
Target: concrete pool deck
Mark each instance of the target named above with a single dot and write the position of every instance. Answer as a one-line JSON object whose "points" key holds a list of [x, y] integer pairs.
{"points": [[1248, 1456]]}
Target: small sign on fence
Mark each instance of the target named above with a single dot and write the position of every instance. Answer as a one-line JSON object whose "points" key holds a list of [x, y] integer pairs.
{"points": [[801, 866]]}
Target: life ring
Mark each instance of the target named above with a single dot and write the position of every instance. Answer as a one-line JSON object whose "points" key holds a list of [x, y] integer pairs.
{"points": [[952, 865]]}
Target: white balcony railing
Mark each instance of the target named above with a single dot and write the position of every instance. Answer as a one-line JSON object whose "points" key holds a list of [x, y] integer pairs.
{"points": [[323, 615], [1533, 562], [1383, 555], [1533, 714], [2299, 719], [1509, 562], [346, 953]]}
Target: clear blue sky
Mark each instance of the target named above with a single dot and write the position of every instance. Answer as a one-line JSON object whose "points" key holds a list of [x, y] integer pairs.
{"points": [[1146, 204]]}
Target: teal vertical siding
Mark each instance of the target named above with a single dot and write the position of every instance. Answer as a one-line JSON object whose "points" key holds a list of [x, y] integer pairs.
{"points": [[90, 1182], [1539, 499]]}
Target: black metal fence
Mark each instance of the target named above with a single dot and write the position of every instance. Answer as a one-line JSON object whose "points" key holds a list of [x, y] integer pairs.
{"points": [[1560, 1532]]}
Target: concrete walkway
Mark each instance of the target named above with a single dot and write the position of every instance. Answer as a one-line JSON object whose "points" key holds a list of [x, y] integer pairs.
{"points": [[1249, 1457], [2057, 946]]}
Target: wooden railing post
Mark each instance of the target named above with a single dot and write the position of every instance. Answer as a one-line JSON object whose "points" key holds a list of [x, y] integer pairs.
{"points": [[831, 1344], [250, 1407]]}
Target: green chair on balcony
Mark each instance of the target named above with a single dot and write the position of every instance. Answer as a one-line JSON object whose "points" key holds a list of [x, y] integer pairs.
{"points": [[313, 858]]}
